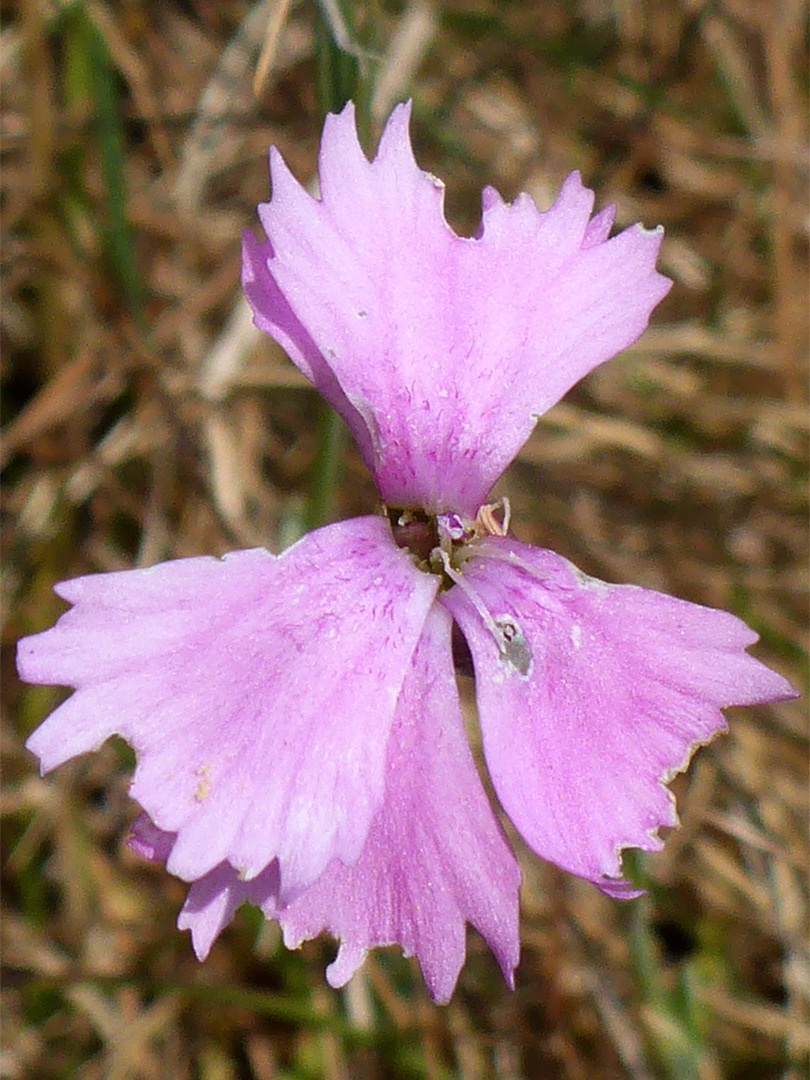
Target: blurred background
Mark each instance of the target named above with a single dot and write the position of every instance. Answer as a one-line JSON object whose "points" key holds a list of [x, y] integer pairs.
{"points": [[145, 419]]}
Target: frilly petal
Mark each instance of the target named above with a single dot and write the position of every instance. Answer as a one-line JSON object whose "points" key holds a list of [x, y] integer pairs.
{"points": [[439, 350], [214, 900], [258, 693], [435, 856], [594, 700]]}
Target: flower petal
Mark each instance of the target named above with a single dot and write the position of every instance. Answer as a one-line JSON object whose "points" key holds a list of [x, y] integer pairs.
{"points": [[435, 854], [274, 316], [214, 900], [258, 693], [596, 695], [439, 350]]}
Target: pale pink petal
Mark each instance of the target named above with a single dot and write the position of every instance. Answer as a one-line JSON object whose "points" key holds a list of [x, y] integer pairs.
{"points": [[258, 693], [439, 350], [213, 899], [591, 696], [435, 856]]}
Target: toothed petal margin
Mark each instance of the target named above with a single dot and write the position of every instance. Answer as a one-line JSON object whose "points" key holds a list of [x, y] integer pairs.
{"points": [[621, 686], [440, 350], [258, 693]]}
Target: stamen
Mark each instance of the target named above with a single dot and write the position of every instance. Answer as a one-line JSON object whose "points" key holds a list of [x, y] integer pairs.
{"points": [[512, 645], [488, 523], [470, 593]]}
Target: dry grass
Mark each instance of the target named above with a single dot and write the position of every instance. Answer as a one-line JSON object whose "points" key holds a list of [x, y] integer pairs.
{"points": [[144, 419]]}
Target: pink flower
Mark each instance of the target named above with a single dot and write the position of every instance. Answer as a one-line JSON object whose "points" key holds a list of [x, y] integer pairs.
{"points": [[296, 720]]}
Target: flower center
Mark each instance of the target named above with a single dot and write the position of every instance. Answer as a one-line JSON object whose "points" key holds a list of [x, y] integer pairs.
{"points": [[442, 543]]}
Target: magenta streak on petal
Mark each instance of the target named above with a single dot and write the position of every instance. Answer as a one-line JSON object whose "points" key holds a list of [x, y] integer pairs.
{"points": [[439, 350], [258, 693], [623, 684], [435, 856]]}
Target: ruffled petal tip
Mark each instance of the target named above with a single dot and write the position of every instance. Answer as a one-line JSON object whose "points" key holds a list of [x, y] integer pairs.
{"points": [[213, 901], [440, 351]]}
